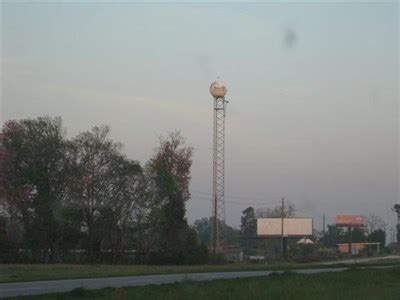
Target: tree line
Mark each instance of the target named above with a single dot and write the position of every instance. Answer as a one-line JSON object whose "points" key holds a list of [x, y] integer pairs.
{"points": [[61, 196], [373, 232], [81, 199]]}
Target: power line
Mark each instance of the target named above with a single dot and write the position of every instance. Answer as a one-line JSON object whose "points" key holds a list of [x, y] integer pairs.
{"points": [[230, 201], [231, 197], [195, 197]]}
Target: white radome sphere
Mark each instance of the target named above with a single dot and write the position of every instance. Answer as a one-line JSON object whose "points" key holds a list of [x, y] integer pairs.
{"points": [[218, 89]]}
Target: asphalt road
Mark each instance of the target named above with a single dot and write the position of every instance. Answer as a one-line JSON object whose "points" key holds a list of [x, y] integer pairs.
{"points": [[362, 260], [59, 286]]}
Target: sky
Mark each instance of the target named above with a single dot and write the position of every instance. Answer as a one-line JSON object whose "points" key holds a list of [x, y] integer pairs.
{"points": [[313, 113]]}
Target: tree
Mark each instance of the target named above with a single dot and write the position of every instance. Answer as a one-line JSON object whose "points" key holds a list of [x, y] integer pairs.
{"points": [[232, 235], [358, 236], [33, 184], [375, 230], [248, 225], [98, 183], [203, 228], [248, 228], [333, 236], [276, 212], [304, 252], [169, 171], [378, 236], [119, 213], [373, 223]]}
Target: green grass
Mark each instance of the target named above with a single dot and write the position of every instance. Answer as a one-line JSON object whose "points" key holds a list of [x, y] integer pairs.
{"points": [[353, 284], [39, 272]]}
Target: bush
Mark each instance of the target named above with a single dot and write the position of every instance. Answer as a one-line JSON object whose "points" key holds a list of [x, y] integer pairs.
{"points": [[304, 253], [184, 250]]}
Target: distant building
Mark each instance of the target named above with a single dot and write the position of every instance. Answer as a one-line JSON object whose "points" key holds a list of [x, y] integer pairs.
{"points": [[233, 254], [356, 248]]}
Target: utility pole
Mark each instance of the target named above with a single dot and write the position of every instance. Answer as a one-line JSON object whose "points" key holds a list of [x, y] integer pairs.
{"points": [[391, 234], [284, 239], [323, 226], [396, 208], [385, 231], [350, 238]]}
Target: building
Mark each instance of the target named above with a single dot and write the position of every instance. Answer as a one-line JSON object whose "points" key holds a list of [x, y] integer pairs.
{"points": [[233, 254], [356, 248]]}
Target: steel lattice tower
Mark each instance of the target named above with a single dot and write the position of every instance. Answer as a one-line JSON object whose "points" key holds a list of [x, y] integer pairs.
{"points": [[218, 209]]}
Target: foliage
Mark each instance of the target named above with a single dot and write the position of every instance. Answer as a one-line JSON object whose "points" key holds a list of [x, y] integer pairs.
{"points": [[373, 223], [358, 236], [203, 229], [378, 236], [248, 230], [248, 227], [333, 236], [169, 169], [34, 181], [337, 235], [276, 212], [106, 187], [62, 196], [304, 253]]}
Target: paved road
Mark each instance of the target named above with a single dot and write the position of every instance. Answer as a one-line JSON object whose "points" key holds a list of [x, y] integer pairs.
{"points": [[361, 260], [57, 286]]}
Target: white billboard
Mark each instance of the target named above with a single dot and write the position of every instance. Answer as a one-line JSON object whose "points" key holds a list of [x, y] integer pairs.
{"points": [[291, 226]]}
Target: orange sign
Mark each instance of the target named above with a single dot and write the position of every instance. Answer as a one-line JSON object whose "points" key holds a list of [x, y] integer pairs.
{"points": [[350, 220]]}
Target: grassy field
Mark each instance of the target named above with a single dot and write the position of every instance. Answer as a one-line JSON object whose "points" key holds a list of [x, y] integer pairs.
{"points": [[36, 272], [353, 284]]}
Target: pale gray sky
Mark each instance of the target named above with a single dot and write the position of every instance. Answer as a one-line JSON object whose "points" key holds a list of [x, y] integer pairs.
{"points": [[313, 112]]}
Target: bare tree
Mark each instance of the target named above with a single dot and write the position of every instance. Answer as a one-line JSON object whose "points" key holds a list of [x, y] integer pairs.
{"points": [[373, 223], [92, 161], [276, 212]]}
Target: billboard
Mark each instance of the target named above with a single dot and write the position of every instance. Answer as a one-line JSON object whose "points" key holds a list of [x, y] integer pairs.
{"points": [[350, 220], [291, 226]]}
